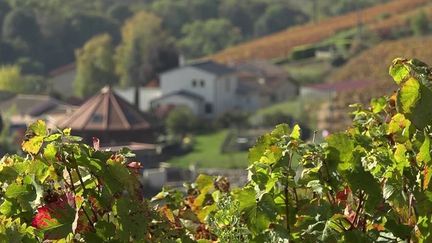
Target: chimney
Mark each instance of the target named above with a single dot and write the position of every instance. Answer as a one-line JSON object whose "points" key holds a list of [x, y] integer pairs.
{"points": [[182, 60]]}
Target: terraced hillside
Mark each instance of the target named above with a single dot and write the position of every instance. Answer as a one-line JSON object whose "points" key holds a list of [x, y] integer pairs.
{"points": [[369, 65], [281, 44]]}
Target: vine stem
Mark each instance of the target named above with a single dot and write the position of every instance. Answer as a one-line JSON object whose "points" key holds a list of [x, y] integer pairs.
{"points": [[286, 192], [359, 207]]}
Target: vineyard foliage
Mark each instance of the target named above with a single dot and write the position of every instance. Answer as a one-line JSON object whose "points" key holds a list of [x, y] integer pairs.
{"points": [[281, 44], [370, 183]]}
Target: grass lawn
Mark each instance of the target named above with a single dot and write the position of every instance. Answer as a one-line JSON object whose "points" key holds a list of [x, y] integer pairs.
{"points": [[206, 154]]}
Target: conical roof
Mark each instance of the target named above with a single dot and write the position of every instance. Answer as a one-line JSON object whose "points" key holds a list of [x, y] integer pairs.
{"points": [[106, 111]]}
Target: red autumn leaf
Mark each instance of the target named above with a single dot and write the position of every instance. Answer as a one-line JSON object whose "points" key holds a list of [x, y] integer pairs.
{"points": [[43, 218], [134, 165], [96, 143], [342, 196]]}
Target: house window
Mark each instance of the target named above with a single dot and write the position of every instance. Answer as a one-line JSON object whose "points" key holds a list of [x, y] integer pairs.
{"points": [[194, 83], [208, 108], [202, 83], [96, 118]]}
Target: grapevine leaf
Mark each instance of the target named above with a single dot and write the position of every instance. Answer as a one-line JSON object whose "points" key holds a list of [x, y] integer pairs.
{"points": [[340, 154], [35, 135], [204, 183], [316, 186], [399, 230], [408, 95], [424, 153], [399, 126], [400, 157], [399, 71], [295, 134], [356, 236], [15, 190], [378, 105]]}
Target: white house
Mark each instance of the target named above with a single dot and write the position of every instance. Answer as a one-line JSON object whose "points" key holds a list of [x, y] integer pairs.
{"points": [[207, 88], [147, 93]]}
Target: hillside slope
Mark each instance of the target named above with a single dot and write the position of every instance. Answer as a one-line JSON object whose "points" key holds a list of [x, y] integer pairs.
{"points": [[369, 65], [281, 44]]}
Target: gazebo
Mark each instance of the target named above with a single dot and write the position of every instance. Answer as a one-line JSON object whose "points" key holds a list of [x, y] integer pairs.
{"points": [[111, 119]]}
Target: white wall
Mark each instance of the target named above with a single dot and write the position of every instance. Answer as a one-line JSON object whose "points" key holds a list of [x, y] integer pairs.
{"points": [[146, 96], [63, 83], [179, 100], [226, 99], [182, 79]]}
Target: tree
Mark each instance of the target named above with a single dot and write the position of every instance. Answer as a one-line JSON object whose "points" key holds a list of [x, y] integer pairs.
{"points": [[180, 121], [203, 9], [95, 66], [145, 50], [12, 80], [173, 13], [7, 52], [278, 17], [238, 14], [120, 12], [83, 26], [30, 66], [206, 37], [4, 9], [20, 27], [420, 24]]}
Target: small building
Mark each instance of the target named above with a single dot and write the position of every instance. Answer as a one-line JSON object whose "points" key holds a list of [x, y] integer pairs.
{"points": [[207, 88], [261, 84], [22, 110], [331, 89], [112, 119], [62, 79]]}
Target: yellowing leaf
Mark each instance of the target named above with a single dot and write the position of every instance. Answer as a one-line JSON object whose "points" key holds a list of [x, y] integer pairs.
{"points": [[424, 153], [398, 70], [295, 134], [408, 95]]}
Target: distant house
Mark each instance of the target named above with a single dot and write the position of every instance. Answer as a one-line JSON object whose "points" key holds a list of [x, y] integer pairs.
{"points": [[331, 89], [61, 80], [261, 83], [22, 110], [207, 88]]}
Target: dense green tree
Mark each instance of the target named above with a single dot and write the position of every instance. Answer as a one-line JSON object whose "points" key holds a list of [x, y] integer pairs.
{"points": [[95, 66], [180, 121], [174, 14], [4, 9], [21, 28], [278, 17], [237, 13], [30, 66], [146, 49], [119, 12], [7, 52], [206, 37], [82, 26], [203, 9], [11, 79]]}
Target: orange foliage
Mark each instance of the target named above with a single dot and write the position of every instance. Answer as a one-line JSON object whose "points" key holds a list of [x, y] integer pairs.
{"points": [[281, 44]]}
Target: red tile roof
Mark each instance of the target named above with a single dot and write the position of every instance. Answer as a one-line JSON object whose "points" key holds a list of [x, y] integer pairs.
{"points": [[106, 111]]}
